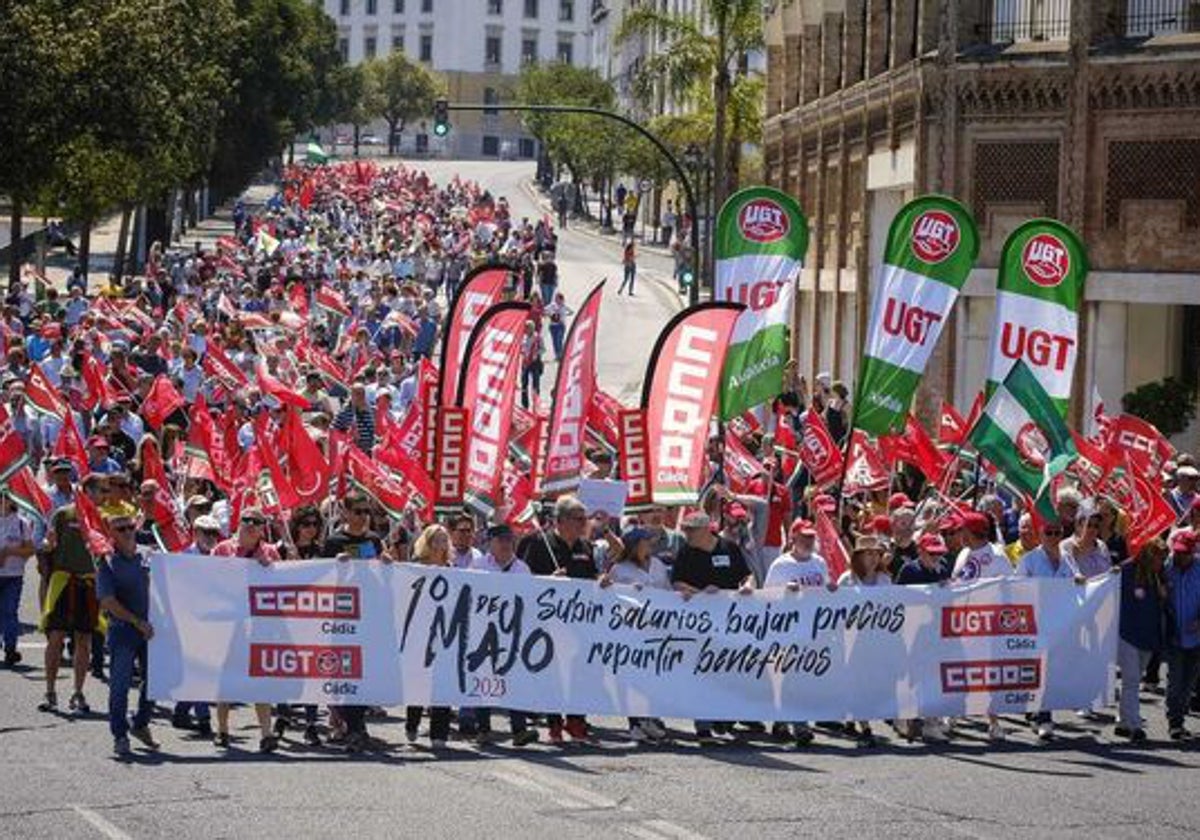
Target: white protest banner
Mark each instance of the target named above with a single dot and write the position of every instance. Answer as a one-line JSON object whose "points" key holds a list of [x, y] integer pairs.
{"points": [[603, 494], [549, 644], [298, 632]]}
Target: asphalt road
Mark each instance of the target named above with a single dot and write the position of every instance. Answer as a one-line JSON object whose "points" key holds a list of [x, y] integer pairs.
{"points": [[60, 780]]}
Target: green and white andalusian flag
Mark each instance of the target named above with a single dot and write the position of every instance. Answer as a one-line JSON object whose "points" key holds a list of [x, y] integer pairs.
{"points": [[313, 153], [1038, 292], [761, 239], [1022, 433], [931, 248]]}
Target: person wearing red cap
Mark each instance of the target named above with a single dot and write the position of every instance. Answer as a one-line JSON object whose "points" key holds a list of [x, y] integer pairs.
{"points": [[798, 568], [1182, 654], [898, 500], [929, 567], [979, 559]]}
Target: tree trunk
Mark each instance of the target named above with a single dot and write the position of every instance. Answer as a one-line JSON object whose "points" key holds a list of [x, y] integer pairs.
{"points": [[357, 130], [720, 107], [292, 152], [391, 124], [158, 227], [85, 246], [14, 248], [118, 266]]}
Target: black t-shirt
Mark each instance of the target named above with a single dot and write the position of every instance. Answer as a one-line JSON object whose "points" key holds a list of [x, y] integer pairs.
{"points": [[913, 572], [546, 555], [901, 554], [364, 546], [724, 567]]}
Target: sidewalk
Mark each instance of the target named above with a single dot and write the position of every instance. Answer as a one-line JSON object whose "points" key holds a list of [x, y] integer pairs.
{"points": [[643, 234]]}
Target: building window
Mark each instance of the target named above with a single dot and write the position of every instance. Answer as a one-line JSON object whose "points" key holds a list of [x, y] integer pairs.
{"points": [[426, 48], [344, 8], [531, 9], [427, 6], [344, 49], [1017, 172], [491, 49], [372, 7], [1011, 21], [369, 46], [490, 97], [526, 147], [398, 40], [566, 10], [566, 52], [491, 145], [529, 52], [397, 7], [495, 7], [1147, 18]]}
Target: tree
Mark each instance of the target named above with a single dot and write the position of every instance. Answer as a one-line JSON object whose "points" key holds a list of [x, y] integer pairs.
{"points": [[705, 56], [399, 90], [349, 100]]}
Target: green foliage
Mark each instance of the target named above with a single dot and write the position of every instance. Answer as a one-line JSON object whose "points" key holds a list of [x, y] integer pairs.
{"points": [[1170, 404], [399, 89]]}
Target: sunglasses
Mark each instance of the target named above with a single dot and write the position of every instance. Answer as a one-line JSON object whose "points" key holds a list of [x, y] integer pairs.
{"points": [[120, 529], [253, 521], [307, 523], [1052, 532]]}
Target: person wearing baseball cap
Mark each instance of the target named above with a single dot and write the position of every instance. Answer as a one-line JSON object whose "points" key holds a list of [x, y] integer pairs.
{"points": [[98, 457], [979, 559], [929, 567], [1182, 653], [800, 567], [1183, 493], [707, 563]]}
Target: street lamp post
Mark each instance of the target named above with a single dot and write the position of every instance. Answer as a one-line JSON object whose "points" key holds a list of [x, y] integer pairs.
{"points": [[689, 192]]}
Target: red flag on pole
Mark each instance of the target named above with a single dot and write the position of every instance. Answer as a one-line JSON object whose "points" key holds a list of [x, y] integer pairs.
{"points": [[69, 444], [162, 400], [478, 292], [268, 384], [488, 388], [1142, 443], [95, 534], [308, 471], [575, 385], [42, 395], [680, 395], [865, 469], [830, 545], [819, 451]]}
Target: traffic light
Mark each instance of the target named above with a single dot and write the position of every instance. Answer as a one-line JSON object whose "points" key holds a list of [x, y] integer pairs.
{"points": [[441, 118]]}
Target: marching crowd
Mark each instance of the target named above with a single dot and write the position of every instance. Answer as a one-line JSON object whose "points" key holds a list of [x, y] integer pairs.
{"points": [[142, 417]]}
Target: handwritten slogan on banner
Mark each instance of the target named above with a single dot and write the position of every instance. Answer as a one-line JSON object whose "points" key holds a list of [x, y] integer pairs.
{"points": [[360, 632]]}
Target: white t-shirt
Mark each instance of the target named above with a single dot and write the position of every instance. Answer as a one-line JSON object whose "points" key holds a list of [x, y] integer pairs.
{"points": [[987, 561], [14, 530], [809, 571], [469, 559], [654, 576], [848, 578]]}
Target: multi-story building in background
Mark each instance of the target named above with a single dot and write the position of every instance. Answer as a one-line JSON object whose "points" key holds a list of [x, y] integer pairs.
{"points": [[478, 47], [1083, 110]]}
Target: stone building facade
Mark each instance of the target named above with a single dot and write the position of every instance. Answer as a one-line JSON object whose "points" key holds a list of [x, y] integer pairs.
{"points": [[1083, 110]]}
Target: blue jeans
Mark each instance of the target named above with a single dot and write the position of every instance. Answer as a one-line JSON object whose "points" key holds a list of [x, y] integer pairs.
{"points": [[556, 338], [125, 646], [630, 277], [10, 604]]}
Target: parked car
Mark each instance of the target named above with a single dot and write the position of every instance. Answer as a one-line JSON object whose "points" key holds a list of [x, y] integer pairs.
{"points": [[370, 140]]}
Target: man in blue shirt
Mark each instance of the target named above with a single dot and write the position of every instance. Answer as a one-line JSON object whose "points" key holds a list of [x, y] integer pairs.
{"points": [[1182, 654], [123, 590]]}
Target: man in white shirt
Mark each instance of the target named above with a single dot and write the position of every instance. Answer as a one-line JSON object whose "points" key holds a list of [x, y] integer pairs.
{"points": [[16, 546], [798, 568], [463, 555]]}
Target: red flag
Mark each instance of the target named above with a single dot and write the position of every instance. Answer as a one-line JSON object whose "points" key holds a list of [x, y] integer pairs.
{"points": [[575, 385], [206, 443], [97, 390], [42, 395], [634, 457], [865, 469], [602, 419], [952, 426], [488, 388], [27, 494], [324, 364], [306, 193], [1143, 444], [161, 510], [412, 475], [680, 395], [925, 454], [267, 448], [1149, 514], [298, 298], [385, 487], [450, 476], [830, 545], [740, 465], [268, 384], [308, 471], [161, 402], [1092, 464], [519, 509], [332, 301], [69, 444], [787, 448], [819, 451], [95, 534], [12, 447], [478, 292], [216, 364]]}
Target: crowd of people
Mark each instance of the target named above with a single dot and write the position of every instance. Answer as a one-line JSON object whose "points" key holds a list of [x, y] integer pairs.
{"points": [[240, 331]]}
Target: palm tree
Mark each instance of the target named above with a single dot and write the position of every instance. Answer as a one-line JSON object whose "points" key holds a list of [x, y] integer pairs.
{"points": [[704, 60]]}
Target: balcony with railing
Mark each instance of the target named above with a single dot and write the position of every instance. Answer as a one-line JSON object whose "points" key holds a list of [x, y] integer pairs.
{"points": [[1151, 18], [1020, 21]]}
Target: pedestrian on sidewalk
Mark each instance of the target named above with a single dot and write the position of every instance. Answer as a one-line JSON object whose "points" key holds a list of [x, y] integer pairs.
{"points": [[668, 223], [629, 263], [547, 271], [558, 312]]}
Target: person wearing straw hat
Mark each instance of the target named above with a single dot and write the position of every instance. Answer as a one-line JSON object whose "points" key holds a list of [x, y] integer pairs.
{"points": [[865, 570]]}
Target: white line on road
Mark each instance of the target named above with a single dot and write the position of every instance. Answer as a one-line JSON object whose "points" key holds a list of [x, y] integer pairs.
{"points": [[572, 797], [100, 824]]}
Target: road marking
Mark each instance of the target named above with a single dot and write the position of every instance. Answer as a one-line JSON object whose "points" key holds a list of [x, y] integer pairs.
{"points": [[573, 797], [100, 824]]}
